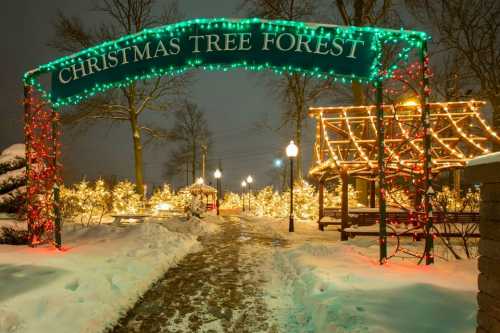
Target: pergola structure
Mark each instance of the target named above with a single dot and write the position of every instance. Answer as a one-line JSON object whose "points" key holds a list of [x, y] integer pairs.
{"points": [[348, 138]]}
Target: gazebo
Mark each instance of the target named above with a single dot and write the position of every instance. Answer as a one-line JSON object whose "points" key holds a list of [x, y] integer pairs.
{"points": [[199, 188]]}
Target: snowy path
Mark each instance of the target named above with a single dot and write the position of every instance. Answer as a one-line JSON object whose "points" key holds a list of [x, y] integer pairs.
{"points": [[219, 289]]}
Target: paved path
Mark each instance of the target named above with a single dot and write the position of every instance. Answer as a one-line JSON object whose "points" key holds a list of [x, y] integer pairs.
{"points": [[218, 289]]}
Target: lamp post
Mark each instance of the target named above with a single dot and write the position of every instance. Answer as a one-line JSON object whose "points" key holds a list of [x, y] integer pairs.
{"points": [[291, 151], [243, 185], [249, 182], [218, 175]]}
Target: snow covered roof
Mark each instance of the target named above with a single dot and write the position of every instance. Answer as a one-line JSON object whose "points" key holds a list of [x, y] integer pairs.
{"points": [[200, 188], [485, 159]]}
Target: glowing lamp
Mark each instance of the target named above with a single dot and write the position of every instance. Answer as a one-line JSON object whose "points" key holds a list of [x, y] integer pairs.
{"points": [[292, 150], [410, 102], [217, 174], [163, 206]]}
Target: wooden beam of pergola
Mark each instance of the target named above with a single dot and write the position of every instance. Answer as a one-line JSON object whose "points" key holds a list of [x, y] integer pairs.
{"points": [[346, 138]]}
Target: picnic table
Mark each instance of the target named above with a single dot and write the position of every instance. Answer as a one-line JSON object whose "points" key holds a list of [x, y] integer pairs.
{"points": [[138, 217], [370, 216]]}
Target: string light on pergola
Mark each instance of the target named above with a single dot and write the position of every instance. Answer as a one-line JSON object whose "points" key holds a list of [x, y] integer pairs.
{"points": [[349, 133]]}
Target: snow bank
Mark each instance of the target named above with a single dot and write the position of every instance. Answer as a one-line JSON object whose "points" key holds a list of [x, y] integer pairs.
{"points": [[87, 287], [195, 226], [339, 287]]}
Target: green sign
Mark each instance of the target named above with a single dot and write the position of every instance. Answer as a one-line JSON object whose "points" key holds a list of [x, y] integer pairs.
{"points": [[345, 53]]}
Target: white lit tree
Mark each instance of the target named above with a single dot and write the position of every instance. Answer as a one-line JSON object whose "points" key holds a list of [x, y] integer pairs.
{"points": [[231, 201], [125, 198]]}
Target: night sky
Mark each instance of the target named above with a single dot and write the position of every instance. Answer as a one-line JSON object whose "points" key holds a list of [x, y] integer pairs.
{"points": [[233, 102]]}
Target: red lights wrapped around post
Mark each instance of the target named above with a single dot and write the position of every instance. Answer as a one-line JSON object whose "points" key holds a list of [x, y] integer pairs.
{"points": [[42, 154]]}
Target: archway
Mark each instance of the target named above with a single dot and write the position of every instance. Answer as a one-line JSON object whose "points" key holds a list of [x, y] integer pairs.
{"points": [[345, 54]]}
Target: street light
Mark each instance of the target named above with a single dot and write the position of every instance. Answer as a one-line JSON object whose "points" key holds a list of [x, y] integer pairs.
{"points": [[249, 181], [244, 185], [291, 151], [218, 175]]}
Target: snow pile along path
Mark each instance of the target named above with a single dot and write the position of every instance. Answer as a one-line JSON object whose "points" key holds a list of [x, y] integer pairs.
{"points": [[319, 284], [195, 226], [90, 285], [339, 288]]}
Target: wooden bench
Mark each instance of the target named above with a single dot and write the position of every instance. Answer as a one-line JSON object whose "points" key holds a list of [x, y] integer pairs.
{"points": [[138, 217], [327, 220]]}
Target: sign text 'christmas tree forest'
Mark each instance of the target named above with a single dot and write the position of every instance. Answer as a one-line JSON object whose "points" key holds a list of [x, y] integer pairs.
{"points": [[343, 53]]}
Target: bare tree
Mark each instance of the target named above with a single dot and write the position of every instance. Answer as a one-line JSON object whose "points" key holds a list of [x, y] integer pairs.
{"points": [[469, 30], [192, 134], [295, 90], [127, 104], [360, 13]]}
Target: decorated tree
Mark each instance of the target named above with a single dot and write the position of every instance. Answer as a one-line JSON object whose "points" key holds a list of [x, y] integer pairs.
{"points": [[162, 196], [448, 200], [306, 204], [268, 203], [125, 198], [231, 201], [182, 199], [68, 202], [101, 199], [12, 179], [333, 198], [85, 201]]}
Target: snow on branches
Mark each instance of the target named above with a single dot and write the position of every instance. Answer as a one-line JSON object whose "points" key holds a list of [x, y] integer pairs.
{"points": [[12, 179]]}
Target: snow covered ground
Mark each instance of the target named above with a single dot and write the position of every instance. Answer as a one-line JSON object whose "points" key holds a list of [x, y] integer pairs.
{"points": [[318, 284], [101, 273]]}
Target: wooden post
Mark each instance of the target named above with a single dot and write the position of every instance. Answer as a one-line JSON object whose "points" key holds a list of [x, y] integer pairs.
{"points": [[345, 205], [372, 193], [381, 174], [321, 202], [457, 181]]}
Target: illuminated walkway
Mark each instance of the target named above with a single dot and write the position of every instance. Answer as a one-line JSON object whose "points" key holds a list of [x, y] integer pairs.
{"points": [[219, 289]]}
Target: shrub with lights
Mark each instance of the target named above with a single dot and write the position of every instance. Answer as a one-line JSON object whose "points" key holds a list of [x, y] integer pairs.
{"points": [[163, 199], [125, 198], [231, 201], [85, 203]]}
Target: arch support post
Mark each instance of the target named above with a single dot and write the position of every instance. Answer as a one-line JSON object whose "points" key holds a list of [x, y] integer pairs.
{"points": [[428, 190], [381, 173], [56, 189], [42, 170], [321, 200]]}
